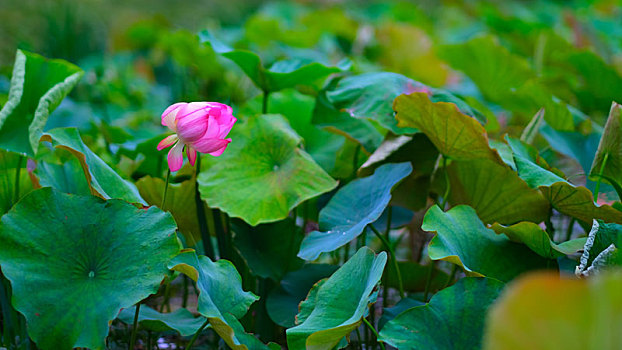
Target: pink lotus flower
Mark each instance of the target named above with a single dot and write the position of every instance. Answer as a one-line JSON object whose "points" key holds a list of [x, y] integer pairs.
{"points": [[199, 127]]}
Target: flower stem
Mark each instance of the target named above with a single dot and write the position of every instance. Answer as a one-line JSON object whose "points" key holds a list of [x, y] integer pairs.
{"points": [[393, 258], [447, 184], [17, 178], [385, 290], [600, 175], [200, 208], [134, 327], [371, 328], [168, 177], [264, 105], [196, 335]]}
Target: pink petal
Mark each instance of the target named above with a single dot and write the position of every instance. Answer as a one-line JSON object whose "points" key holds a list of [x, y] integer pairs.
{"points": [[191, 108], [209, 145], [193, 126], [176, 157], [192, 155], [221, 150], [224, 129], [170, 113], [167, 141]]}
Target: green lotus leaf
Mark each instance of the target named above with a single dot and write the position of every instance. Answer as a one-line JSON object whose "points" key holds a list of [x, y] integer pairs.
{"points": [[67, 177], [351, 209], [575, 145], [102, 179], [180, 202], [496, 192], [462, 239], [506, 79], [263, 174], [282, 303], [608, 159], [600, 250], [371, 95], [281, 75], [533, 236], [336, 307], [91, 257], [38, 85], [298, 109], [9, 163], [455, 135], [598, 81], [579, 203], [532, 168], [453, 319], [572, 314], [221, 298], [181, 320], [563, 196], [361, 131]]}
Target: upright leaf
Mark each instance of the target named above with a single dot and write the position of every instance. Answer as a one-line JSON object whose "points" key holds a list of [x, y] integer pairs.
{"points": [[38, 85], [608, 159], [453, 319], [281, 75], [91, 257], [263, 174], [352, 208], [102, 179], [221, 298], [336, 307]]}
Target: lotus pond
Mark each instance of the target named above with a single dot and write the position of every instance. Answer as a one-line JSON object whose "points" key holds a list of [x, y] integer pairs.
{"points": [[310, 175]]}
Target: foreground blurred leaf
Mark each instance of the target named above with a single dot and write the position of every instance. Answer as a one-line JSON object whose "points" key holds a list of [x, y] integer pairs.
{"points": [[351, 209], [92, 258], [221, 298], [181, 320], [281, 75], [263, 174], [571, 314], [462, 239], [608, 159], [453, 319], [335, 308], [102, 179], [37, 87], [282, 303]]}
